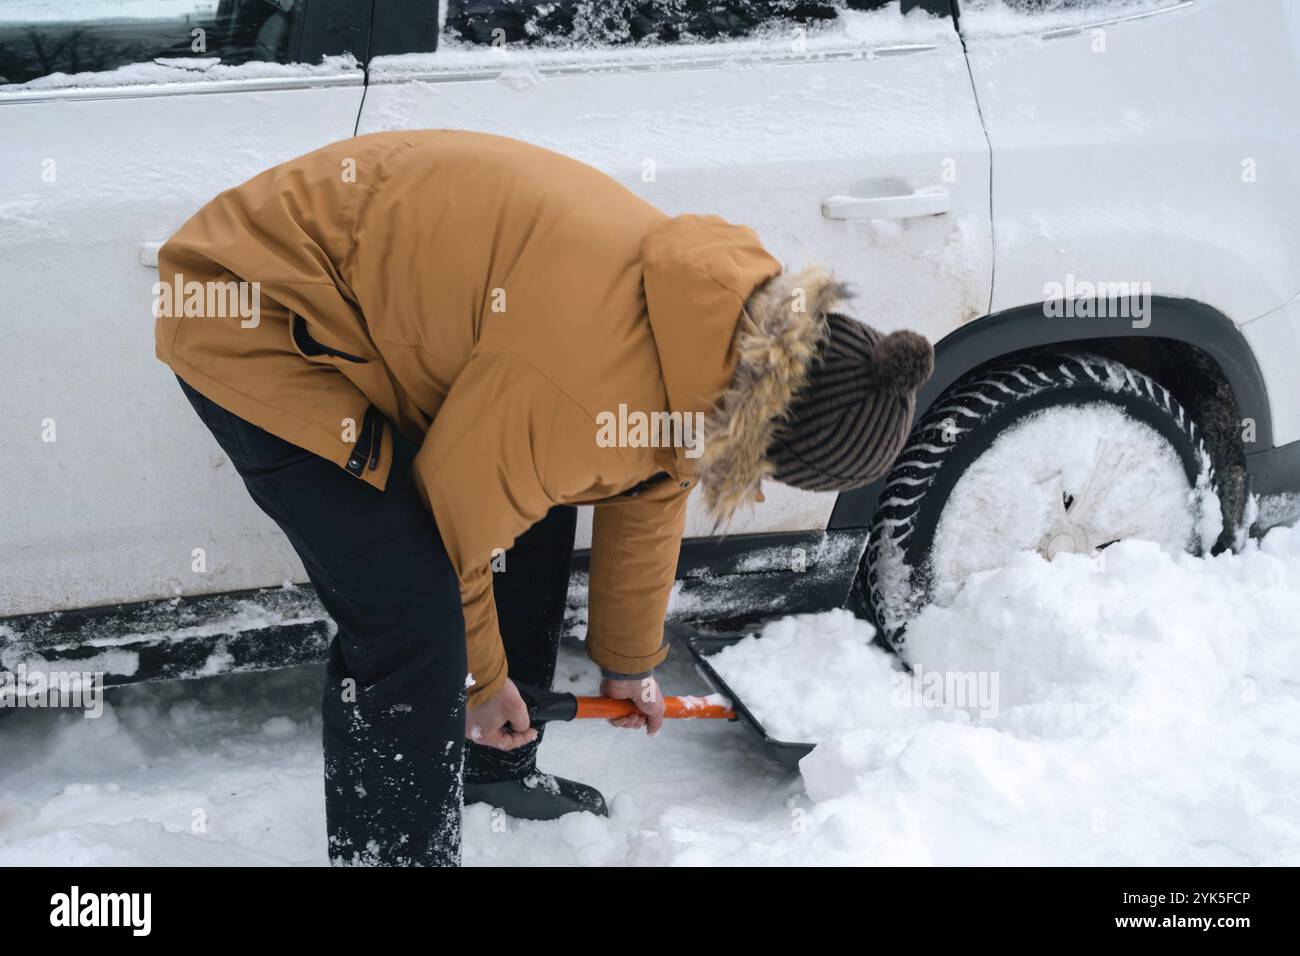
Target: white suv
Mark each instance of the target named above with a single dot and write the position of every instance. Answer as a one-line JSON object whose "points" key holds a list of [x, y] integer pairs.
{"points": [[1088, 205]]}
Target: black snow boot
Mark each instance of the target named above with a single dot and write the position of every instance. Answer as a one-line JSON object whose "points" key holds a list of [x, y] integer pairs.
{"points": [[530, 600], [537, 796]]}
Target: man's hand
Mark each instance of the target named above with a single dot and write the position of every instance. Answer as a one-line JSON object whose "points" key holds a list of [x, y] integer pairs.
{"points": [[644, 693], [487, 725]]}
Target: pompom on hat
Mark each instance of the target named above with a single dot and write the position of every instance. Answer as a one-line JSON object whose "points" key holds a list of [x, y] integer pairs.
{"points": [[848, 423]]}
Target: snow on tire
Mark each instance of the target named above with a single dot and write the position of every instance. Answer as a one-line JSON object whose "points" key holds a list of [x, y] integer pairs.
{"points": [[1055, 453]]}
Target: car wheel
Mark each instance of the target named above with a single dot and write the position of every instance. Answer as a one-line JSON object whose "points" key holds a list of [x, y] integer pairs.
{"points": [[1054, 453]]}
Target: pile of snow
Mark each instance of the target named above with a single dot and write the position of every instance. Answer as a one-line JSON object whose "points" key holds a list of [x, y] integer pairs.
{"points": [[1120, 477], [1140, 710], [842, 679]]}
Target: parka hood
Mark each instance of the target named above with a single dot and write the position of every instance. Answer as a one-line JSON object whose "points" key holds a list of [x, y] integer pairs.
{"points": [[776, 343], [736, 337], [698, 272]]}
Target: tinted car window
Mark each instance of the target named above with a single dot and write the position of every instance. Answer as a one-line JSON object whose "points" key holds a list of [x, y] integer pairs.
{"points": [[621, 22], [1053, 6], [41, 37]]}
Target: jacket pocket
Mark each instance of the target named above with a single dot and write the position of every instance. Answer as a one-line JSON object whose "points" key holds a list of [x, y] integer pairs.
{"points": [[309, 347], [632, 492]]}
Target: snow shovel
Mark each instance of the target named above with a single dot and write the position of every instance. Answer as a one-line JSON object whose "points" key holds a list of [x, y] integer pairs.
{"points": [[702, 646], [548, 705]]}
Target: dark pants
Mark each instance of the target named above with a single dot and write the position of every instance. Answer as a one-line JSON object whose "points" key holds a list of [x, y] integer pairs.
{"points": [[394, 703]]}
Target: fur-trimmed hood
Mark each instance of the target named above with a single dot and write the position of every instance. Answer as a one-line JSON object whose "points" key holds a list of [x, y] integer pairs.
{"points": [[699, 271], [736, 337], [776, 342]]}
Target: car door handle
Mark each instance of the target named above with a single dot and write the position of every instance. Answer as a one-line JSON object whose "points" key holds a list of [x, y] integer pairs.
{"points": [[930, 202]]}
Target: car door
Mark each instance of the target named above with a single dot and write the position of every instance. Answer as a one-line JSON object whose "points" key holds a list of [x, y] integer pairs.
{"points": [[118, 120], [1142, 142], [853, 141]]}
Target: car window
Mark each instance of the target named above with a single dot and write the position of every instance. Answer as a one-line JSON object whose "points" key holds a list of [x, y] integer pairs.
{"points": [[1034, 6], [39, 38], [1052, 12], [529, 23]]}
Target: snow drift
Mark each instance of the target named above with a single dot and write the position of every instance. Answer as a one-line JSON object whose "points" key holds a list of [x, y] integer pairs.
{"points": [[1147, 712]]}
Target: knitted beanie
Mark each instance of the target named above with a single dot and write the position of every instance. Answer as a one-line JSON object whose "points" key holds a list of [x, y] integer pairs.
{"points": [[847, 424]]}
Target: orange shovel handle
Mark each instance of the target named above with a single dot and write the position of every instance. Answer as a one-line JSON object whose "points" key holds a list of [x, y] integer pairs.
{"points": [[685, 708]]}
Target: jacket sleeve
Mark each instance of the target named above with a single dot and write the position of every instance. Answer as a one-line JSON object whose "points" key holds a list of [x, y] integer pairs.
{"points": [[634, 549], [481, 470]]}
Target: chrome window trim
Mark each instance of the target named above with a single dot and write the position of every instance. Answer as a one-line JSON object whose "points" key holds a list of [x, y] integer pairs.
{"points": [[605, 62], [608, 63], [1112, 21], [184, 88]]}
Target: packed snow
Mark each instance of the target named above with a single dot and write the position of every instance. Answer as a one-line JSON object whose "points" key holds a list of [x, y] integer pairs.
{"points": [[1109, 476], [798, 704], [1142, 709]]}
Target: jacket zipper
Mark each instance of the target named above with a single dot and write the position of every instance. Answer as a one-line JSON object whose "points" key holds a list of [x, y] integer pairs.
{"points": [[365, 453], [371, 439], [309, 346], [632, 492]]}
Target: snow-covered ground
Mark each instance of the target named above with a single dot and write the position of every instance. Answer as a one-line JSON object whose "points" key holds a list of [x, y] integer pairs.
{"points": [[1144, 709]]}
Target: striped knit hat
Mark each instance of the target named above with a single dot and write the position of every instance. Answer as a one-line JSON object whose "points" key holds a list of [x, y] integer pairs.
{"points": [[846, 425]]}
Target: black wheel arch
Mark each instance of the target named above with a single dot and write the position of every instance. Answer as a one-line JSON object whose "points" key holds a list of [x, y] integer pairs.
{"points": [[1206, 345]]}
